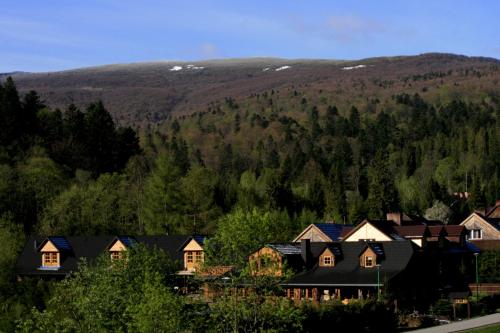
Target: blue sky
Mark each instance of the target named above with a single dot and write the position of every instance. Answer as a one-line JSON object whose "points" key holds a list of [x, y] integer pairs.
{"points": [[55, 35]]}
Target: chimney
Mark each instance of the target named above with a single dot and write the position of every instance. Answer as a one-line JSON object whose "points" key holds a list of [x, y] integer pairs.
{"points": [[396, 217], [305, 251], [35, 245], [497, 203]]}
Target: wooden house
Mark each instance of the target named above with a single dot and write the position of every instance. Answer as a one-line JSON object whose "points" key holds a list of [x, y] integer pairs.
{"points": [[193, 255], [324, 232], [57, 256], [354, 270], [483, 227]]}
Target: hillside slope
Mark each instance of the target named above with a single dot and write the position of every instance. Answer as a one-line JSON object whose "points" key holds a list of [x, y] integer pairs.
{"points": [[147, 93]]}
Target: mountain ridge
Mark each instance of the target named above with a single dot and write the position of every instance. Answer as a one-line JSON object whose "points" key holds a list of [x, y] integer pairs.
{"points": [[145, 93]]}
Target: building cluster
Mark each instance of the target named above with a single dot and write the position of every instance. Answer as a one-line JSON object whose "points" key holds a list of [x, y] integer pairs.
{"points": [[406, 258]]}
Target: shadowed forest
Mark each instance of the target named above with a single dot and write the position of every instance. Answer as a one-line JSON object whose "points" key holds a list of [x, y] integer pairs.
{"points": [[245, 171]]}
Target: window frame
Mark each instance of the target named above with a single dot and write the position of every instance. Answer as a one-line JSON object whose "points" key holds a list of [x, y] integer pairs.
{"points": [[472, 233], [116, 255], [189, 257], [371, 261], [330, 261], [50, 259]]}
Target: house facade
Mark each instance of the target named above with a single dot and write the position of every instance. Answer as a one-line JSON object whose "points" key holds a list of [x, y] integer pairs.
{"points": [[58, 256], [482, 227]]}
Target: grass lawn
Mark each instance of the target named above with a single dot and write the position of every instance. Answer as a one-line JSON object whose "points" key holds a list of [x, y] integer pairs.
{"points": [[488, 329]]}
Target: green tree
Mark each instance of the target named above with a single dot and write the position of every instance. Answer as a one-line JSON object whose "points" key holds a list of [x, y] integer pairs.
{"points": [[382, 194], [162, 200], [198, 195], [242, 232]]}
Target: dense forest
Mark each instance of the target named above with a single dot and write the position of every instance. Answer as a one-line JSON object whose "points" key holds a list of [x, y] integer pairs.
{"points": [[245, 172]]}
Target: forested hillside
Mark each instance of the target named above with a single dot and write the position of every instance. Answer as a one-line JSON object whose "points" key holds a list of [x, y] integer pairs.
{"points": [[142, 94], [266, 163]]}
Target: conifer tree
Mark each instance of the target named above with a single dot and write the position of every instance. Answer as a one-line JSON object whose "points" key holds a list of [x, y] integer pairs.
{"points": [[162, 198], [382, 193]]}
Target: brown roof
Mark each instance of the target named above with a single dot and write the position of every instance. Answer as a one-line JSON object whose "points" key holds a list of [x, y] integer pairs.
{"points": [[436, 230], [454, 230], [412, 230], [345, 231]]}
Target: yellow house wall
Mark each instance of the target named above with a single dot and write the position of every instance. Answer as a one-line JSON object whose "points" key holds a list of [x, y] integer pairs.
{"points": [[118, 246], [367, 232], [193, 246], [326, 253], [368, 252], [49, 247]]}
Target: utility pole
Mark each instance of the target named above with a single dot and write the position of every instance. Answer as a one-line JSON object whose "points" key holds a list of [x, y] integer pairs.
{"points": [[378, 281], [477, 277]]}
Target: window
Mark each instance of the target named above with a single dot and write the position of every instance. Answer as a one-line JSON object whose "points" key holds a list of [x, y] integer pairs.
{"points": [[190, 256], [50, 259], [476, 234], [368, 261], [199, 256], [327, 261], [116, 255]]}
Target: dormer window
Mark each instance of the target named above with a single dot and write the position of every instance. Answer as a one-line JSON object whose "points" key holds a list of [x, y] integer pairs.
{"points": [[118, 247], [368, 261], [50, 259], [327, 260], [371, 255], [328, 257], [116, 255], [193, 253], [52, 250]]}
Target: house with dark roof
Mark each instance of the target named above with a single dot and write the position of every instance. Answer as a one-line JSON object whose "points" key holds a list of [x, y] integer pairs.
{"points": [[57, 256], [324, 232], [483, 227], [192, 254], [354, 270]]}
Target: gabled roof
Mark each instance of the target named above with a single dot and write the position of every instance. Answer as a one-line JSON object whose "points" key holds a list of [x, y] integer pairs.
{"points": [[493, 222], [197, 238], [335, 248], [128, 241], [412, 231], [384, 226], [332, 230], [493, 212], [347, 272], [285, 249], [375, 247], [437, 230], [90, 247], [61, 243], [454, 230]]}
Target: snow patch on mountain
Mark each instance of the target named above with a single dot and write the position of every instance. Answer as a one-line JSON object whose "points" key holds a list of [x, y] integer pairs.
{"points": [[353, 67], [175, 68], [282, 68]]}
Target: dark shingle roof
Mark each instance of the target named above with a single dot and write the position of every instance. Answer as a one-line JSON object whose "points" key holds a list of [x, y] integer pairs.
{"points": [[332, 230], [89, 247], [61, 243], [347, 271]]}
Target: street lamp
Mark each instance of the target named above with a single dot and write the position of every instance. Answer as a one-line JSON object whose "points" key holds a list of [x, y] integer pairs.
{"points": [[476, 254], [378, 281]]}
